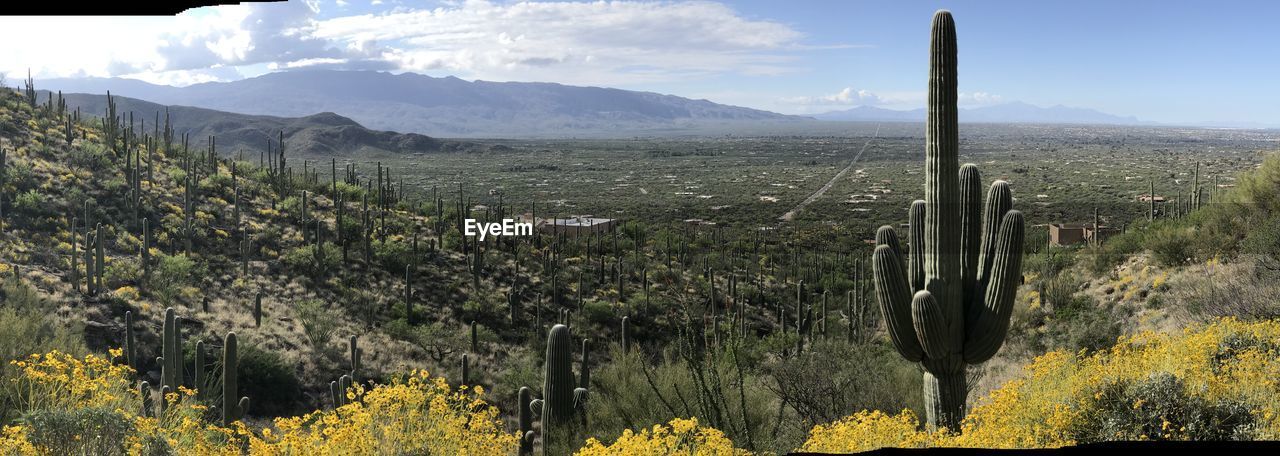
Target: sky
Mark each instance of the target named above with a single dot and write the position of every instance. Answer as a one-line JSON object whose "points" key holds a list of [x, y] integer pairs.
{"points": [[1159, 61]]}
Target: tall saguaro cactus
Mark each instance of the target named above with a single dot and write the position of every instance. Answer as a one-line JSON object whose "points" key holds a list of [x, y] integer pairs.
{"points": [[232, 410], [965, 261]]}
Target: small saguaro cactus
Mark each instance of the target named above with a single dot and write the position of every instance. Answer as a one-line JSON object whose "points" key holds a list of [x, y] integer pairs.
{"points": [[355, 357], [257, 310], [524, 402], [130, 349], [557, 405], [626, 341], [144, 390], [232, 410], [172, 368], [964, 269], [200, 378]]}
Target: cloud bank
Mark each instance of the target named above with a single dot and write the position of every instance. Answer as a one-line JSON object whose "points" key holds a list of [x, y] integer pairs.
{"points": [[596, 43]]}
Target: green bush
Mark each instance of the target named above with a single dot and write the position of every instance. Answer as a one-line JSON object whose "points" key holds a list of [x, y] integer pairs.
{"points": [[1159, 408], [172, 275], [26, 328], [30, 203], [313, 261], [123, 271], [96, 431], [1172, 245], [319, 324], [268, 380]]}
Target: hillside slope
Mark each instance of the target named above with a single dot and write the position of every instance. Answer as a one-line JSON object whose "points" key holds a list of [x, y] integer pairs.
{"points": [[322, 134]]}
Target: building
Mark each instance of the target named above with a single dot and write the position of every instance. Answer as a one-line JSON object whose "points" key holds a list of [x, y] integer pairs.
{"points": [[1062, 234], [1066, 234], [576, 225]]}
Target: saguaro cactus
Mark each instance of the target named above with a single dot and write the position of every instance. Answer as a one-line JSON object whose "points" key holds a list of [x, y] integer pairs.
{"points": [[964, 270], [232, 409], [558, 425], [171, 351], [130, 350], [524, 402]]}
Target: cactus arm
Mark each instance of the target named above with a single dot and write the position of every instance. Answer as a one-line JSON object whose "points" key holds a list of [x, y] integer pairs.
{"points": [[999, 202], [930, 325], [895, 302], [988, 328], [915, 236], [886, 235], [970, 227]]}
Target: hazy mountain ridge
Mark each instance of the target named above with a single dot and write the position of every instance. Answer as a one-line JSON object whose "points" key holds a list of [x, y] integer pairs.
{"points": [[325, 133], [1015, 112], [446, 106]]}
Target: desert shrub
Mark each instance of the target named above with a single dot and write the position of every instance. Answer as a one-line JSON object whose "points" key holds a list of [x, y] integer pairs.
{"points": [[89, 156], [439, 340], [1160, 408], [834, 376], [87, 405], [173, 275], [121, 271], [632, 392], [94, 430], [680, 436], [1202, 384], [1059, 292], [30, 203], [1245, 289], [1172, 245], [312, 260], [26, 328], [319, 324], [1102, 258], [393, 254], [413, 414], [268, 380]]}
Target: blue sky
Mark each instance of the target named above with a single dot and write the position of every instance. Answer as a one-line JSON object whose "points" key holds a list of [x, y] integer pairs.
{"points": [[1159, 61]]}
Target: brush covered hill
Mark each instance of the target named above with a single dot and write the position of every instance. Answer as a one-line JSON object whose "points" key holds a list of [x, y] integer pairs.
{"points": [[322, 134]]}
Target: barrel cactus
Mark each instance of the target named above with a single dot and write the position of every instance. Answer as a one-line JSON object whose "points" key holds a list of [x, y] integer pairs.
{"points": [[966, 260]]}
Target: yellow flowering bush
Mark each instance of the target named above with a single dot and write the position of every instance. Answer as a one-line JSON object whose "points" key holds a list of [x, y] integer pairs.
{"points": [[416, 414], [57, 380], [1214, 381], [13, 440], [681, 436]]}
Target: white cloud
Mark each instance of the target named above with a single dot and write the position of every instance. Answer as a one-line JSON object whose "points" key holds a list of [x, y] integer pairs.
{"points": [[596, 43], [845, 97], [979, 99], [850, 97], [593, 43]]}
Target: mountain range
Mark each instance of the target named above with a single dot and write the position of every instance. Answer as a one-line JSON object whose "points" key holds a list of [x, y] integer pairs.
{"points": [[324, 133], [456, 108], [448, 106], [1015, 112]]}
